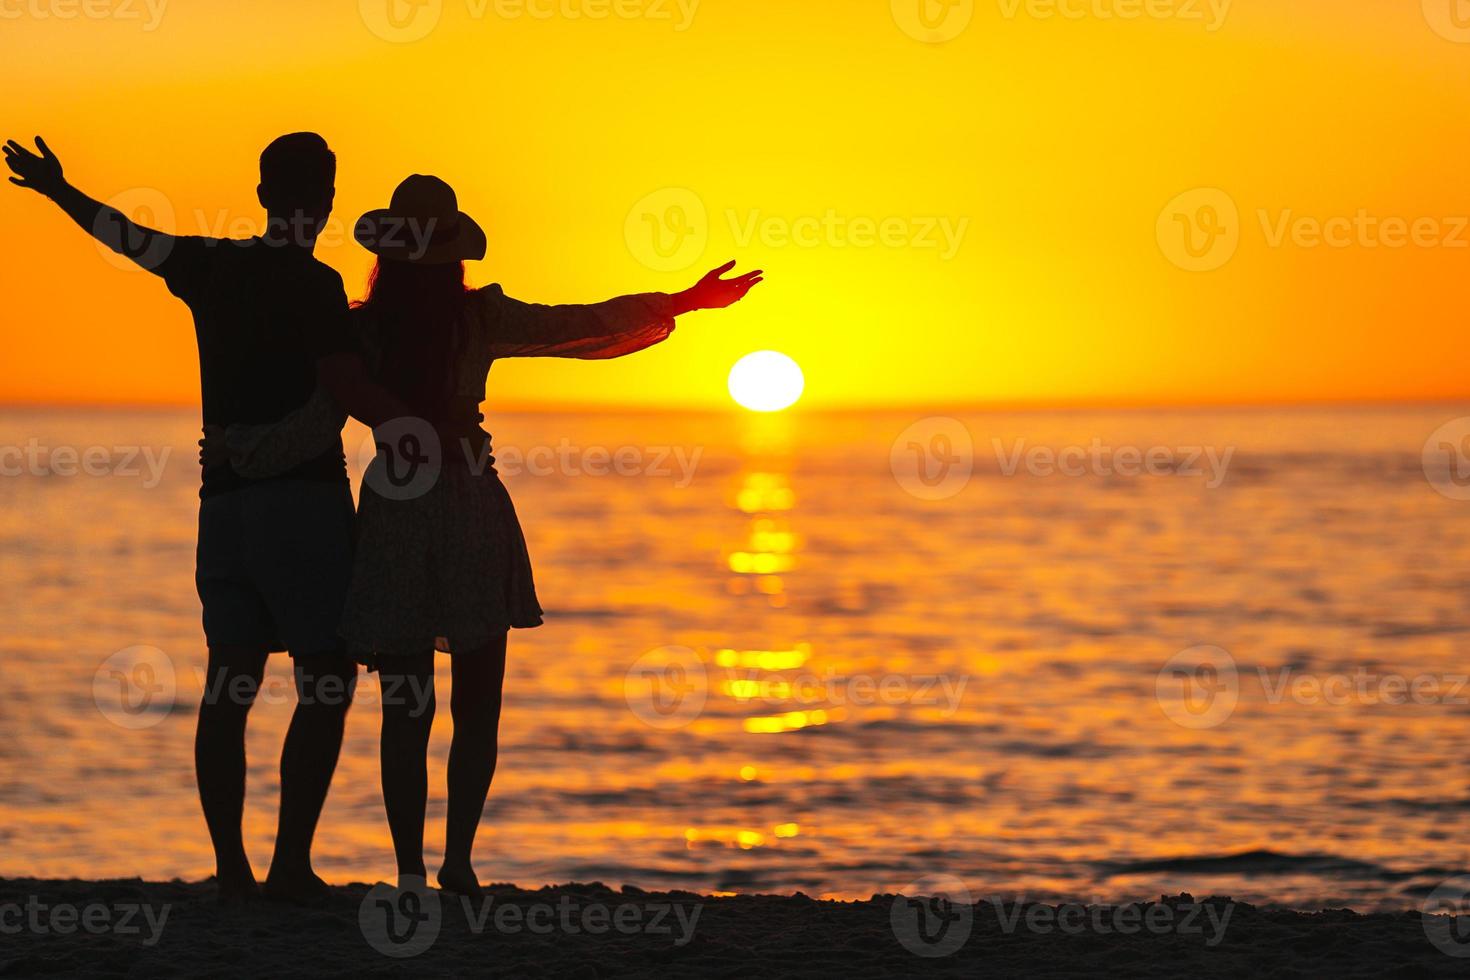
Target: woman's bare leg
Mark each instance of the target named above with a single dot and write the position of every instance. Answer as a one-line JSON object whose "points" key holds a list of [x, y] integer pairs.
{"points": [[408, 716], [479, 676]]}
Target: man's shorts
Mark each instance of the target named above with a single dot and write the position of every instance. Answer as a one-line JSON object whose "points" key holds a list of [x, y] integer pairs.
{"points": [[274, 565]]}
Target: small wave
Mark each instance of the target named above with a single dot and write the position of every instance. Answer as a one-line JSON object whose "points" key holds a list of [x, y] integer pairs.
{"points": [[1256, 863], [1414, 806], [1410, 630]]}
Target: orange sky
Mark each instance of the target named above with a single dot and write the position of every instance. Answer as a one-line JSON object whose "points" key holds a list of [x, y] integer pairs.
{"points": [[1047, 147]]}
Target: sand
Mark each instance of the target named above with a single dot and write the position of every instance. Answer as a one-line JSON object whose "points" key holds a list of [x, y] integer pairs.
{"points": [[176, 929]]}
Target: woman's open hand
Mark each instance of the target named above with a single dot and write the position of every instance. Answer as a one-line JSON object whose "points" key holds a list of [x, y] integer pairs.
{"points": [[715, 293]]}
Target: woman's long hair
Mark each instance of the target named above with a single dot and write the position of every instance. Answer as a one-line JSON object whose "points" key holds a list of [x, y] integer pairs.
{"points": [[416, 308]]}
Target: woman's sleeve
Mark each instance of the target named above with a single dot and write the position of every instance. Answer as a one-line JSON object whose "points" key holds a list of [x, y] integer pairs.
{"points": [[594, 331], [261, 451]]}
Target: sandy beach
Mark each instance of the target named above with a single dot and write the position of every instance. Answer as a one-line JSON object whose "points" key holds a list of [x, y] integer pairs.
{"points": [[137, 928]]}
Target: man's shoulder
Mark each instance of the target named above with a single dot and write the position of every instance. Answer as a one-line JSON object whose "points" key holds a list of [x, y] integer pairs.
{"points": [[326, 276], [229, 245], [208, 249]]}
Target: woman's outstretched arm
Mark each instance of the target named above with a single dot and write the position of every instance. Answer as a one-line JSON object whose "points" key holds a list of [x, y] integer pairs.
{"points": [[614, 328]]}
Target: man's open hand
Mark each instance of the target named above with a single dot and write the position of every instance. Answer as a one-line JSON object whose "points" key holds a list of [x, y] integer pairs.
{"points": [[41, 174]]}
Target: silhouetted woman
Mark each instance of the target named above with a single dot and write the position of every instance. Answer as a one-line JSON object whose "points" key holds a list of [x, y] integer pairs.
{"points": [[441, 563]]}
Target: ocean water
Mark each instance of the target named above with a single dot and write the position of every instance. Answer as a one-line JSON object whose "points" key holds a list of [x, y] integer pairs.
{"points": [[827, 653]]}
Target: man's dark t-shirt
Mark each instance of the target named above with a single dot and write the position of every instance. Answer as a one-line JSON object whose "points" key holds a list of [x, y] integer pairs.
{"points": [[263, 315]]}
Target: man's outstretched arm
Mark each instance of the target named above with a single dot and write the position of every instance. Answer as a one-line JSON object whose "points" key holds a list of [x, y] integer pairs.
{"points": [[43, 174]]}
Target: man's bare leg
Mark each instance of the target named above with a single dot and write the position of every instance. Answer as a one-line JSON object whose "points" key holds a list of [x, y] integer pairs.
{"points": [[324, 689], [232, 681]]}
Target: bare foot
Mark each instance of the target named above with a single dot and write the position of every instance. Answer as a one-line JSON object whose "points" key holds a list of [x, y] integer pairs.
{"points": [[235, 891], [301, 888], [461, 880]]}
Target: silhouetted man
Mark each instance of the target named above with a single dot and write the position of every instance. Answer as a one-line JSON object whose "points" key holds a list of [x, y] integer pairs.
{"points": [[274, 555]]}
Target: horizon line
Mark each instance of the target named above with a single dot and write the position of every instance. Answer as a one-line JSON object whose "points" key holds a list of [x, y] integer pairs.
{"points": [[854, 408]]}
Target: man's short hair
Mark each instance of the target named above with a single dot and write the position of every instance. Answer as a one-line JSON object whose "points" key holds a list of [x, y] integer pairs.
{"points": [[297, 171]]}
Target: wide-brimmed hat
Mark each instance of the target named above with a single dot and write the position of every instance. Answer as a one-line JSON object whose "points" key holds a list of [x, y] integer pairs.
{"points": [[422, 224]]}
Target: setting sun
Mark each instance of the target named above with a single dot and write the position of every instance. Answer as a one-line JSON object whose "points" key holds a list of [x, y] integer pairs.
{"points": [[766, 381]]}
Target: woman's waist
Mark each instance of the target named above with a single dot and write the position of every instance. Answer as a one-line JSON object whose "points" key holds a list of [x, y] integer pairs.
{"points": [[458, 477]]}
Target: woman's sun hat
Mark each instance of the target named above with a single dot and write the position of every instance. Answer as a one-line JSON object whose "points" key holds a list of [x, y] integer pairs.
{"points": [[422, 225]]}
